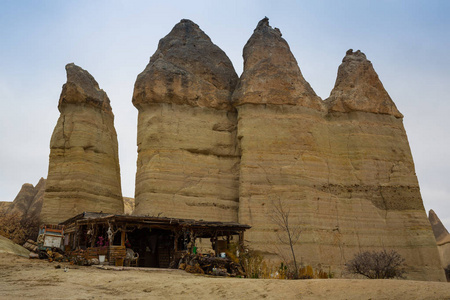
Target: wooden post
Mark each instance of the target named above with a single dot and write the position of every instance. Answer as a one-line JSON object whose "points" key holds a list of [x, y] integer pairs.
{"points": [[122, 237], [94, 235], [175, 242], [241, 241]]}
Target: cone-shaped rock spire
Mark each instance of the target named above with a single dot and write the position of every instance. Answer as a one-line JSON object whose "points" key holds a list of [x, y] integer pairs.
{"points": [[187, 69], [358, 88], [439, 230], [187, 154], [271, 73], [28, 202], [84, 172], [23, 200]]}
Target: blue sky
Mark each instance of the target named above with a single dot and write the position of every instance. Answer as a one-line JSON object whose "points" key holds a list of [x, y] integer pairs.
{"points": [[408, 43]]}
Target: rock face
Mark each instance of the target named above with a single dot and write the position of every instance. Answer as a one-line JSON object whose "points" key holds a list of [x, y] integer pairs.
{"points": [[358, 88], [28, 202], [271, 73], [84, 173], [216, 148], [442, 238], [4, 205], [342, 168], [439, 230], [187, 156], [128, 205]]}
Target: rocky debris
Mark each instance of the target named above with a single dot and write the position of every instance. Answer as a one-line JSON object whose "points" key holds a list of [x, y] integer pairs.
{"points": [[216, 266], [31, 245], [358, 88], [84, 173], [187, 154], [439, 230], [187, 68], [271, 73], [28, 202], [347, 177]]}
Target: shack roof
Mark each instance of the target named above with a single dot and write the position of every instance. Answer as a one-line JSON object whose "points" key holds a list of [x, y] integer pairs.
{"points": [[100, 217]]}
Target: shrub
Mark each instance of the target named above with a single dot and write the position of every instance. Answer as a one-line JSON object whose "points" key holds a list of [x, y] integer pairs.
{"points": [[253, 263], [377, 265]]}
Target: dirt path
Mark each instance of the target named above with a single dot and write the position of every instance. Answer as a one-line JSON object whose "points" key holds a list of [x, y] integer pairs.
{"points": [[21, 278]]}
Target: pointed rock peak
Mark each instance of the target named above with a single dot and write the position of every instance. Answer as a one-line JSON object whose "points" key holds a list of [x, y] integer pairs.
{"points": [[26, 187], [82, 88], [263, 23], [187, 69], [81, 77], [271, 73], [356, 56], [358, 88], [263, 26], [187, 30], [40, 184], [439, 230]]}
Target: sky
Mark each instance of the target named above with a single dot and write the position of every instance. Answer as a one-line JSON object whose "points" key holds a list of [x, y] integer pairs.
{"points": [[408, 43]]}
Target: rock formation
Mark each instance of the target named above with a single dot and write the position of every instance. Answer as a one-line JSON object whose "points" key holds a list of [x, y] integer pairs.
{"points": [[358, 88], [213, 146], [342, 168], [4, 205], [187, 157], [439, 230], [28, 202], [128, 205], [84, 173], [442, 238]]}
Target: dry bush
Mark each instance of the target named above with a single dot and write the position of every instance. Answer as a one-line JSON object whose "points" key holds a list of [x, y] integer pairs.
{"points": [[377, 265], [255, 266], [309, 272], [288, 233], [253, 263], [17, 228]]}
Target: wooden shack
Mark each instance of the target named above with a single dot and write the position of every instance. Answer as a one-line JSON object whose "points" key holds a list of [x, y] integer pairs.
{"points": [[158, 241]]}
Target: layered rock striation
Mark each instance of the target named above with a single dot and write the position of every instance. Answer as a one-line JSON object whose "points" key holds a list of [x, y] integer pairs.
{"points": [[213, 147], [84, 172], [28, 202], [342, 168], [442, 238], [439, 230], [188, 162]]}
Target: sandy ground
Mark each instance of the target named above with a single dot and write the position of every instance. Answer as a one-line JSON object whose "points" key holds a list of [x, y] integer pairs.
{"points": [[22, 278]]}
